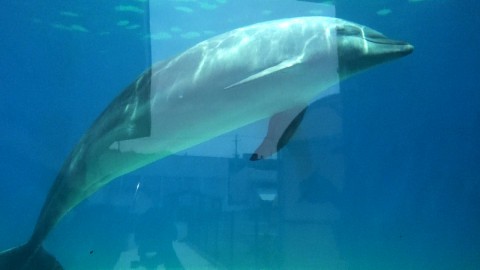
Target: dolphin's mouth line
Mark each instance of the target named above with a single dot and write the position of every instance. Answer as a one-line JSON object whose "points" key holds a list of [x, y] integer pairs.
{"points": [[386, 41]]}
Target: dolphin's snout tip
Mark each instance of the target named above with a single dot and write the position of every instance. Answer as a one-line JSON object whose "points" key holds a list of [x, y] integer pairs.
{"points": [[405, 48], [409, 48]]}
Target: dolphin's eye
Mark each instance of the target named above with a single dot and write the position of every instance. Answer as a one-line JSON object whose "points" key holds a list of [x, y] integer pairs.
{"points": [[341, 30], [347, 30], [374, 34]]}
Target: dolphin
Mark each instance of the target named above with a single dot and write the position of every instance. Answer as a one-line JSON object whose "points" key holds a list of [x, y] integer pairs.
{"points": [[273, 69]]}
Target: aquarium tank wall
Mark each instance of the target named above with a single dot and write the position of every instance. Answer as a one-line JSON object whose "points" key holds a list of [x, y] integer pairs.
{"points": [[228, 134]]}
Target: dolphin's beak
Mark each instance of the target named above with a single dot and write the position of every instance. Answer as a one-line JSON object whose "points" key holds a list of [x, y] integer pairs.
{"points": [[398, 47]]}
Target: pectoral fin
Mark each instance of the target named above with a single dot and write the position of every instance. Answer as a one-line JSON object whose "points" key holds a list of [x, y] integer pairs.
{"points": [[281, 128]]}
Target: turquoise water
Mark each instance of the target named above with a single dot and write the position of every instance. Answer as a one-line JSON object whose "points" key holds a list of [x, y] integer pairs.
{"points": [[384, 175]]}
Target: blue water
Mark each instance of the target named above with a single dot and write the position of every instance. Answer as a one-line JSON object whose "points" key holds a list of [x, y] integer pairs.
{"points": [[385, 175]]}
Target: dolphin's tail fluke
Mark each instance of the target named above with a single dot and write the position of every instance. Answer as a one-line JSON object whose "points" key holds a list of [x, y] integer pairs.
{"points": [[27, 258]]}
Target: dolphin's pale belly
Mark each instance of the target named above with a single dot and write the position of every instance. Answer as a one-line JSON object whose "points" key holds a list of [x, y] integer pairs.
{"points": [[180, 122], [183, 123]]}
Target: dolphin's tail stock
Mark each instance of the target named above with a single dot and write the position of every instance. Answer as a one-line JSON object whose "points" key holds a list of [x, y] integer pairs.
{"points": [[27, 257]]}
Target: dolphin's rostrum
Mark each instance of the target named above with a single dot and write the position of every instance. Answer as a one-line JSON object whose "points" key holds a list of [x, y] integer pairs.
{"points": [[270, 70]]}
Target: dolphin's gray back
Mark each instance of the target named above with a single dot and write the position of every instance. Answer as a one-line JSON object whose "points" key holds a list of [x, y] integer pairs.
{"points": [[238, 54]]}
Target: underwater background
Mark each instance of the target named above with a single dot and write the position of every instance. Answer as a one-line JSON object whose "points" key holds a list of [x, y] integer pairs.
{"points": [[385, 175]]}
